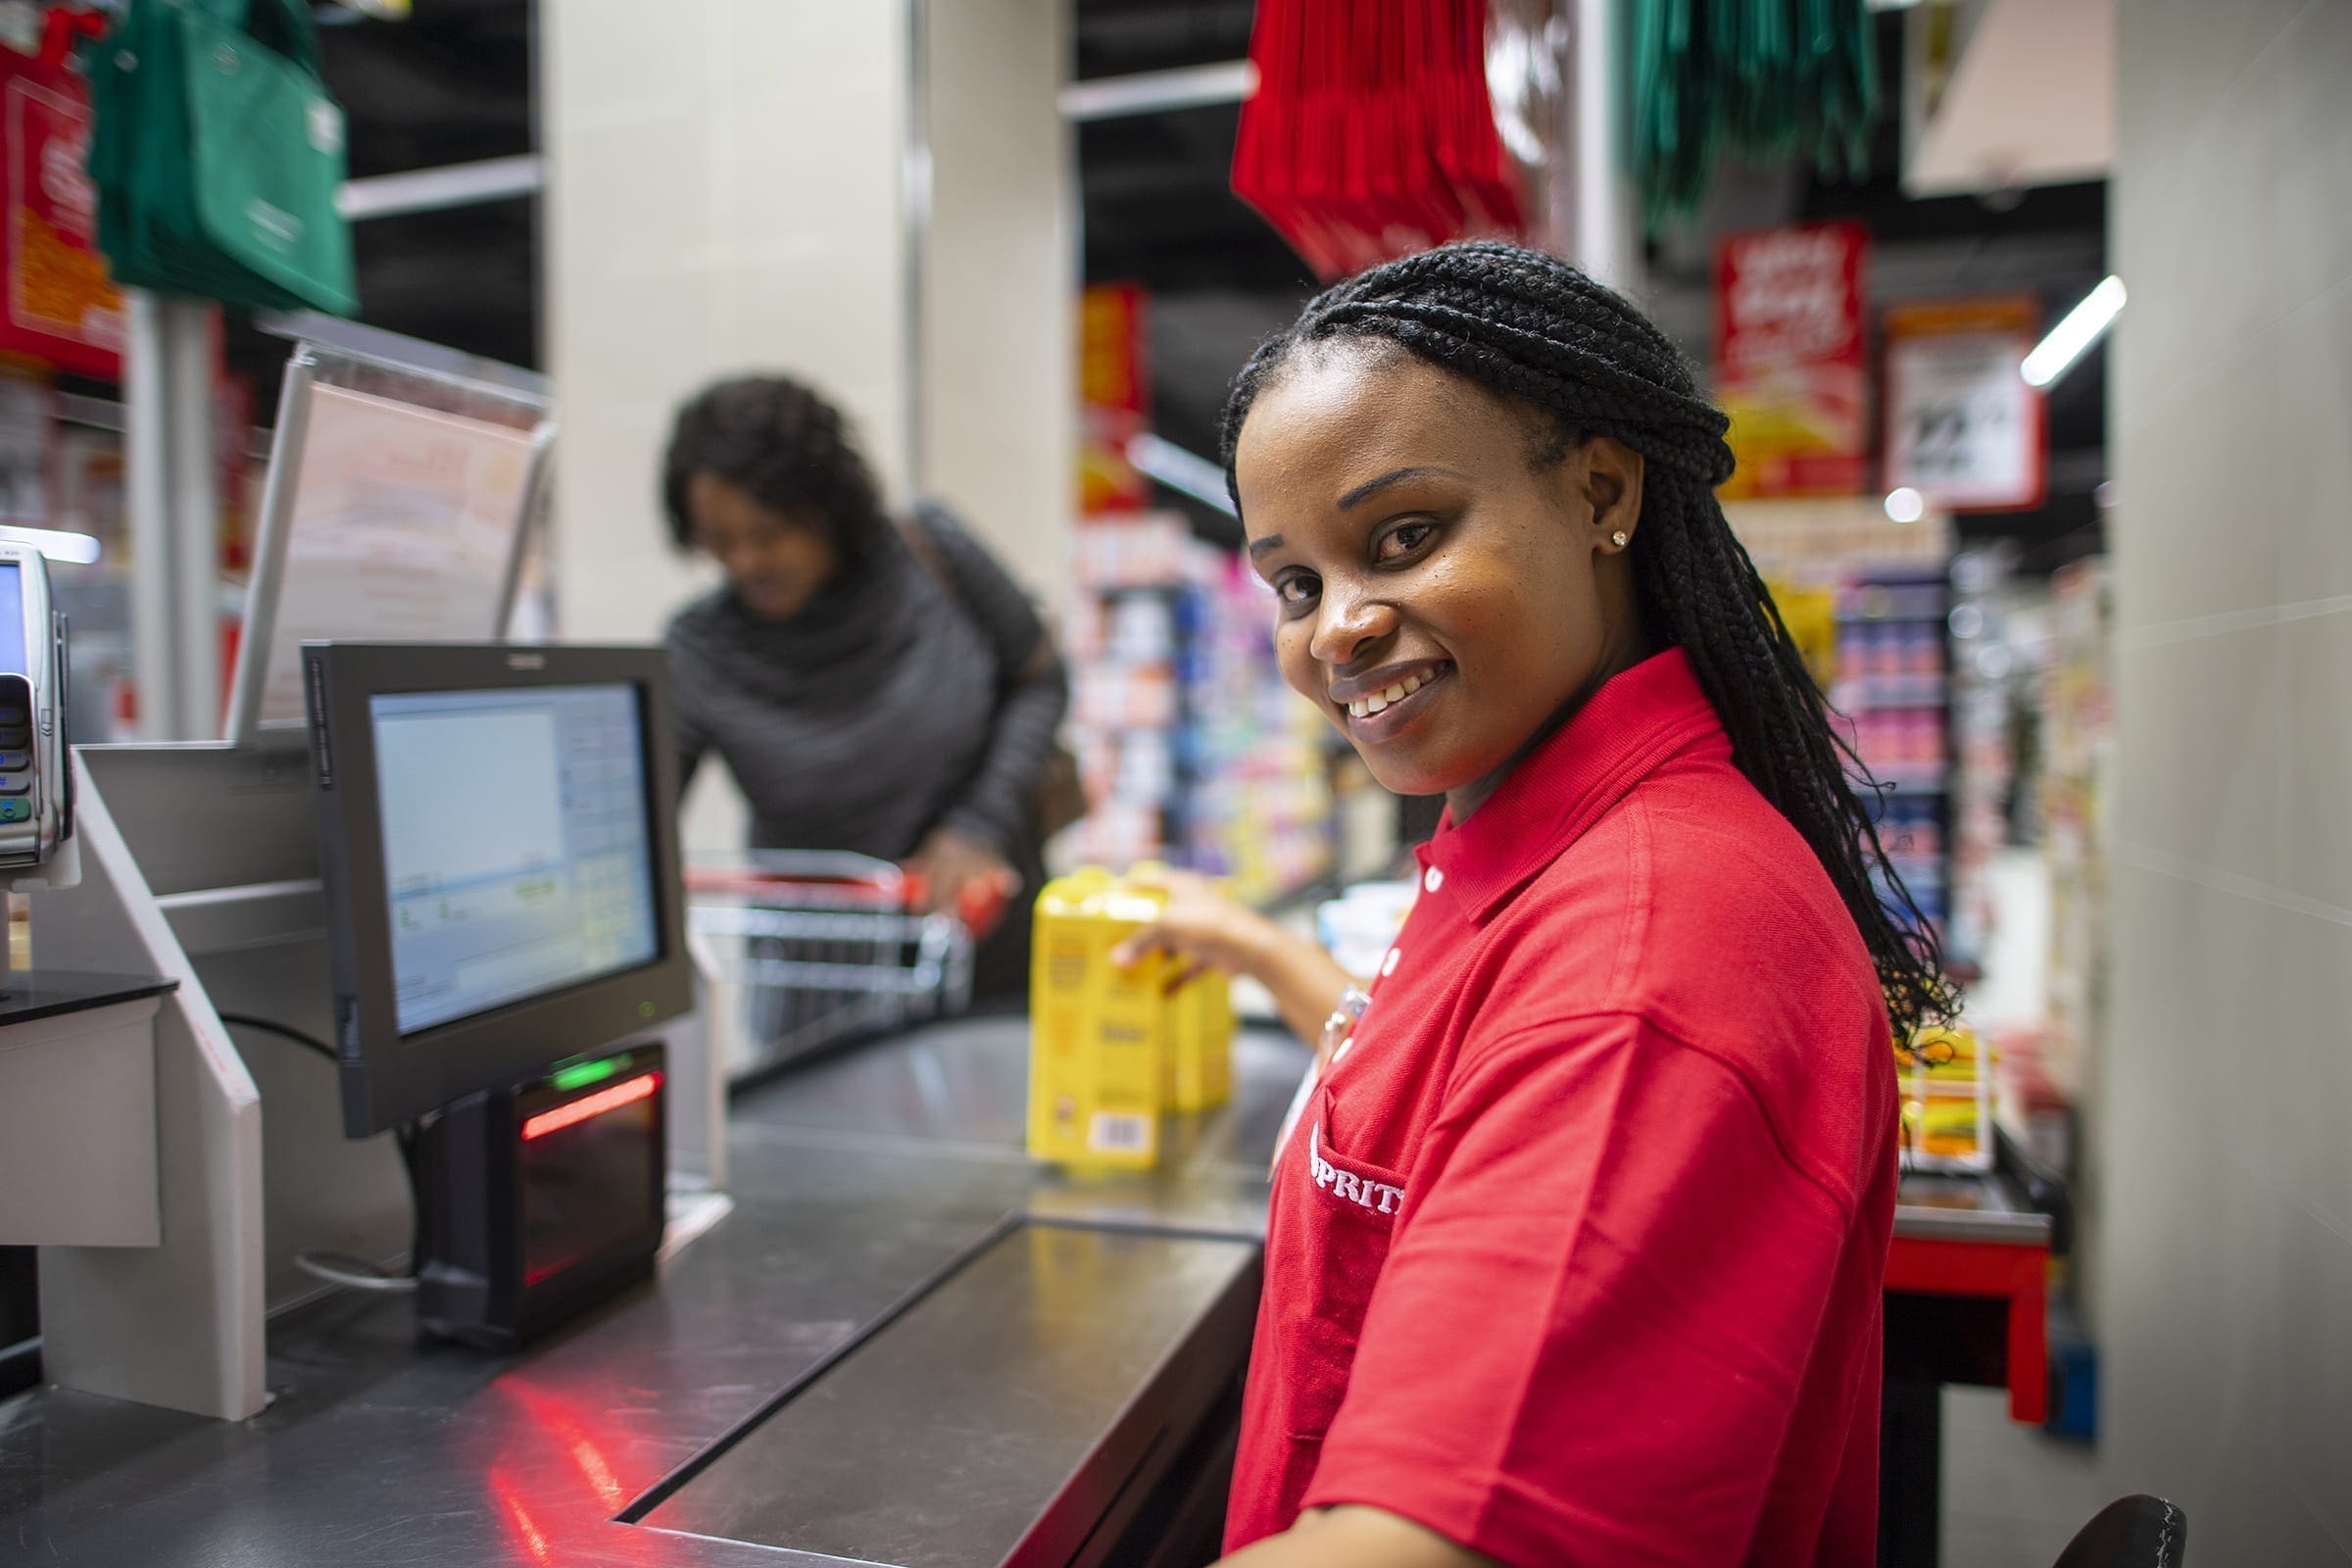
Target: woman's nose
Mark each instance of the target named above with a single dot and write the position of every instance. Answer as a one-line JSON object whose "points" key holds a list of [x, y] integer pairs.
{"points": [[1349, 627]]}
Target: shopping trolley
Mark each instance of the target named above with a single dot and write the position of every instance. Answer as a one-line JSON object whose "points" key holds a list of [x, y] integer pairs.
{"points": [[807, 948]]}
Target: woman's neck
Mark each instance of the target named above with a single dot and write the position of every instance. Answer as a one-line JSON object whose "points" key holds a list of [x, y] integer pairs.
{"points": [[1624, 650]]}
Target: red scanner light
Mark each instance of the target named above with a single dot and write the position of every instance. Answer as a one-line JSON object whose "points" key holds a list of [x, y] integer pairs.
{"points": [[627, 1091]]}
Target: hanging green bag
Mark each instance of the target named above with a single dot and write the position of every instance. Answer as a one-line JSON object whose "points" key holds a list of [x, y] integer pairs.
{"points": [[218, 155]]}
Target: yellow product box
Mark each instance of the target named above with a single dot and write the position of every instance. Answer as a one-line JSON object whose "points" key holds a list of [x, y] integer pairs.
{"points": [[1201, 1066], [1098, 1035], [1946, 1078], [1949, 1055], [1949, 1127], [1110, 1052]]}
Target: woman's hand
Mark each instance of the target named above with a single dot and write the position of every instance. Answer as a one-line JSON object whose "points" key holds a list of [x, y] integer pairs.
{"points": [[964, 878], [1201, 926], [1204, 927]]}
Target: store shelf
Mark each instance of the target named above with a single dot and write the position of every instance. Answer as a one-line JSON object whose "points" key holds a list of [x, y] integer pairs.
{"points": [[1914, 780], [1903, 617], [1861, 692]]}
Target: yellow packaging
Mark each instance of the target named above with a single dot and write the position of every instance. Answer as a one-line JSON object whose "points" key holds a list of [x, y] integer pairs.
{"points": [[1947, 1100], [1944, 1126], [1201, 1066], [1098, 1034], [1110, 1050], [1949, 1055]]}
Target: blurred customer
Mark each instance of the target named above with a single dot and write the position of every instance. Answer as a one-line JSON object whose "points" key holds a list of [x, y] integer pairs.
{"points": [[874, 685]]}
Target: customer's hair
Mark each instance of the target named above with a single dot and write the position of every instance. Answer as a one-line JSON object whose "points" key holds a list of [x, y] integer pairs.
{"points": [[1535, 331], [784, 445]]}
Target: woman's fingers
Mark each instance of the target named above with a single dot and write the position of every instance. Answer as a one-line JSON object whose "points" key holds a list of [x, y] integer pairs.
{"points": [[1137, 948]]}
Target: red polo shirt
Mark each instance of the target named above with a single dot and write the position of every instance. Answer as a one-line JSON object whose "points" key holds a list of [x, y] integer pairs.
{"points": [[1576, 1254]]}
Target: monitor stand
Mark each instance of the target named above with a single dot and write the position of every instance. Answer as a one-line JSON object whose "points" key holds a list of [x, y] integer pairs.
{"points": [[540, 1199]]}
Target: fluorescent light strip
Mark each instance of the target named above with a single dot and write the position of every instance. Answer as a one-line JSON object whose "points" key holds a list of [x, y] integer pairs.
{"points": [[1180, 470], [81, 548], [1152, 92], [2074, 335], [435, 191]]}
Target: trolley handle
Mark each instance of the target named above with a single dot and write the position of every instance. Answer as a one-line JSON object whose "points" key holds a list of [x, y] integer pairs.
{"points": [[842, 879], [835, 876]]}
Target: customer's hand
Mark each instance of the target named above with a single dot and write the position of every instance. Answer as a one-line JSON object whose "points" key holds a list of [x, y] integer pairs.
{"points": [[1201, 926], [964, 878]]}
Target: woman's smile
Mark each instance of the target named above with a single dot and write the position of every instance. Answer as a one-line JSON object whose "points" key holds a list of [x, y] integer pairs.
{"points": [[1377, 706]]}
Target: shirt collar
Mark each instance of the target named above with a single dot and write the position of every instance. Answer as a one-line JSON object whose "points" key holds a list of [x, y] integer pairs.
{"points": [[1639, 719]]}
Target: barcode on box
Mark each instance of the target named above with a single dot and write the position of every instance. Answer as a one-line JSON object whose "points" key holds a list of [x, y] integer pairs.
{"points": [[1118, 1135]]}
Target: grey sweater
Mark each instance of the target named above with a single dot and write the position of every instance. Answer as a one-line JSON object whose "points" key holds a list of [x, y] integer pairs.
{"points": [[894, 704]]}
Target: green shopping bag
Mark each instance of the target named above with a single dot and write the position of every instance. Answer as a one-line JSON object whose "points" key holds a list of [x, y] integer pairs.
{"points": [[218, 155]]}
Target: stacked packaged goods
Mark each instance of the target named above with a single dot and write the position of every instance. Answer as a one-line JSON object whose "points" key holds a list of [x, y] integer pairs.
{"points": [[1114, 1050]]}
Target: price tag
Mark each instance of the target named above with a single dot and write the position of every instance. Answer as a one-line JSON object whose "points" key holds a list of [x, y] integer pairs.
{"points": [[1963, 428]]}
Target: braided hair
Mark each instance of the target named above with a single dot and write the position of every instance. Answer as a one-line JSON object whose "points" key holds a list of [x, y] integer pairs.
{"points": [[1535, 329]]}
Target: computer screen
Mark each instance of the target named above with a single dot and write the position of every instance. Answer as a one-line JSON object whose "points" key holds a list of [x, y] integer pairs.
{"points": [[518, 852]]}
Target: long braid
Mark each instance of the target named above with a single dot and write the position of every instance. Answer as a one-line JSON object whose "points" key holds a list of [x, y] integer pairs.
{"points": [[1536, 329]]}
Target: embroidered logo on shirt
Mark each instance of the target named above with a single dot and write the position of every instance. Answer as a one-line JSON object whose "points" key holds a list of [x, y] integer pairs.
{"points": [[1379, 1197]]}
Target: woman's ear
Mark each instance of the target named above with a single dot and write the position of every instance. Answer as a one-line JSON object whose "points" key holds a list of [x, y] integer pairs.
{"points": [[1611, 478]]}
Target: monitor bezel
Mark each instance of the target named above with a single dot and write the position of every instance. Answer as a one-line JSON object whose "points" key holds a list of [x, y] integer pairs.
{"points": [[389, 1078]]}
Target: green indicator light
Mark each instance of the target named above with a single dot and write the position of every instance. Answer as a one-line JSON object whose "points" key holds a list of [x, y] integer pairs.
{"points": [[645, 1009], [581, 1074]]}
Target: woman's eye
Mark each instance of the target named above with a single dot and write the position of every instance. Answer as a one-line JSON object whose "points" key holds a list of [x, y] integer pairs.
{"points": [[1301, 588], [1403, 540]]}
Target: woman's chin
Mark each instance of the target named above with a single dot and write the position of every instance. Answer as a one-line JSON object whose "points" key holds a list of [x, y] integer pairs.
{"points": [[769, 603], [1410, 776]]}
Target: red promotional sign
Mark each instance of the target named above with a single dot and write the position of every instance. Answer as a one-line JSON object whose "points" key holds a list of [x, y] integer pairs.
{"points": [[58, 305], [1114, 394], [1789, 358]]}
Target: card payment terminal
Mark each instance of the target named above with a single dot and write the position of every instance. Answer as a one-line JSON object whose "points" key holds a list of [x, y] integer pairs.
{"points": [[35, 771]]}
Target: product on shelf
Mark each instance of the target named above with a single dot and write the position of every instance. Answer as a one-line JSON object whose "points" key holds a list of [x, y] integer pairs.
{"points": [[1192, 746], [1946, 1077]]}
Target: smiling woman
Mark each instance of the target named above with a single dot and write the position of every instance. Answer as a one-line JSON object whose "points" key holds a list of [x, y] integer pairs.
{"points": [[1625, 1081]]}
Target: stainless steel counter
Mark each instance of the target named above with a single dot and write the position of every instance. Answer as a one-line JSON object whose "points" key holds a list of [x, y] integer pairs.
{"points": [[1960, 1206], [1002, 1353], [858, 1182]]}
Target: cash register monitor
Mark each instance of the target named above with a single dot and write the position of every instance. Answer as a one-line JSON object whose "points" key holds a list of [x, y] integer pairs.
{"points": [[499, 855]]}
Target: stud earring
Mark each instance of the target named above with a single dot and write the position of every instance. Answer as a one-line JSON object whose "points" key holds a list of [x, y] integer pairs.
{"points": [[1620, 538]]}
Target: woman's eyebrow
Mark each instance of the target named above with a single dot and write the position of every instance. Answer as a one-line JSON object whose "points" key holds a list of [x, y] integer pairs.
{"points": [[1259, 548], [1394, 476]]}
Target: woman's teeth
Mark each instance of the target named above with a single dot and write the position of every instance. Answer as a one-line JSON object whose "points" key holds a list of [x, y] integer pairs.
{"points": [[1380, 701]]}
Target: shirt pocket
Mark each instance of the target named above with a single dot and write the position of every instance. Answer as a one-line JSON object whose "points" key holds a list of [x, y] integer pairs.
{"points": [[1346, 1215]]}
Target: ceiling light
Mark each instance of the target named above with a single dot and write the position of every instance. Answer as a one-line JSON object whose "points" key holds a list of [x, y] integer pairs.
{"points": [[1187, 471], [1156, 92], [2080, 327], [1906, 504]]}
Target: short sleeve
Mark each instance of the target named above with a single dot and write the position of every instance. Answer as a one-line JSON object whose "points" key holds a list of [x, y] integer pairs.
{"points": [[1597, 1312]]}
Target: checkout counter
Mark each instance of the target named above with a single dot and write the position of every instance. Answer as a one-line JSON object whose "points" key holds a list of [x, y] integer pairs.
{"points": [[907, 1344]]}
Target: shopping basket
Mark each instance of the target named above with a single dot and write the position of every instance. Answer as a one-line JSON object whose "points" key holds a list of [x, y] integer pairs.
{"points": [[810, 949]]}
